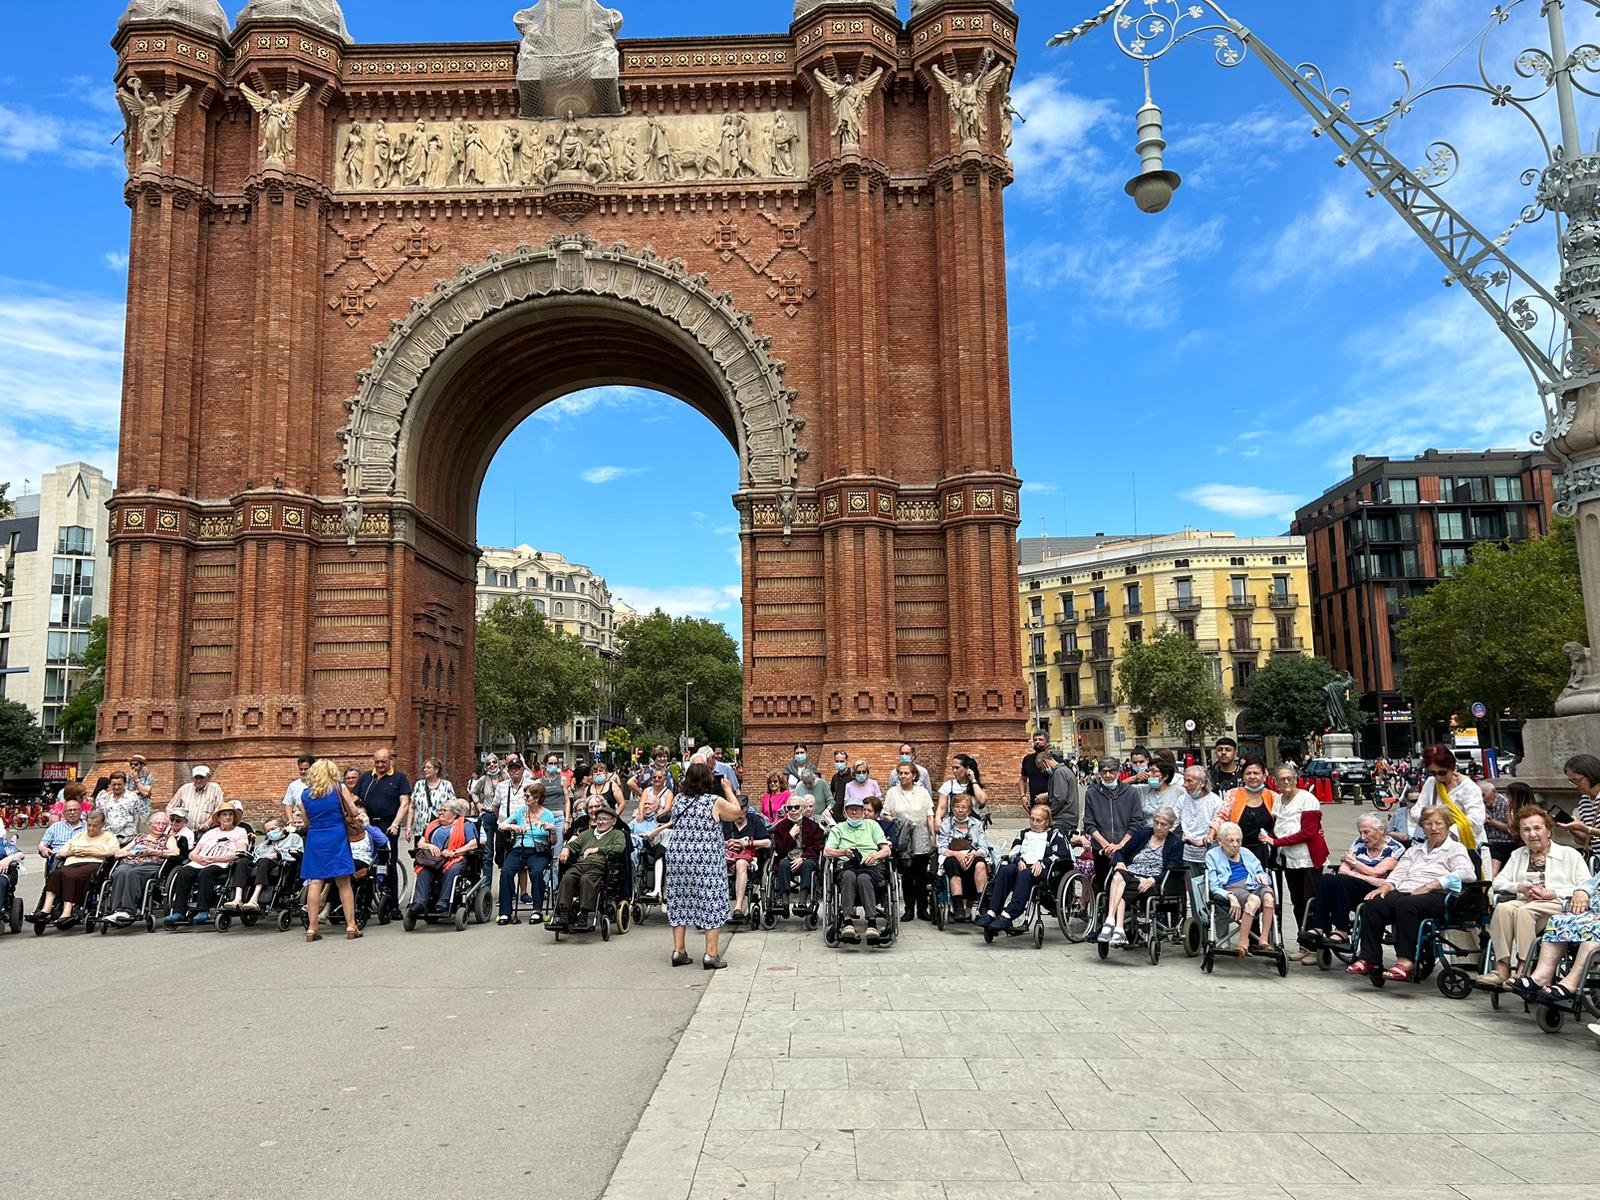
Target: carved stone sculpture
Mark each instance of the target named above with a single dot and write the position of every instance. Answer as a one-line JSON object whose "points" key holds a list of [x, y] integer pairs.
{"points": [[660, 165], [479, 163], [568, 58], [784, 137], [278, 115], [154, 119], [1009, 114], [969, 100], [1582, 693], [414, 163], [1336, 702], [355, 156], [382, 155], [849, 105]]}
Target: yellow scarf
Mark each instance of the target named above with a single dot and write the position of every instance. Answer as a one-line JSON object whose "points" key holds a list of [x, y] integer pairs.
{"points": [[1463, 826]]}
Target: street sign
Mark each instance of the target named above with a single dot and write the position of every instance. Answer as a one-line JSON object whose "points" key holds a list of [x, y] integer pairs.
{"points": [[1479, 710], [1189, 726], [1119, 733]]}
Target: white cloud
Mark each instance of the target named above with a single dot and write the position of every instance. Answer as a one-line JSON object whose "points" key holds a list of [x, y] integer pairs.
{"points": [[576, 404], [609, 474], [1133, 281], [60, 380], [1342, 231], [116, 260], [1236, 500], [1040, 489], [27, 134], [685, 600], [1053, 148]]}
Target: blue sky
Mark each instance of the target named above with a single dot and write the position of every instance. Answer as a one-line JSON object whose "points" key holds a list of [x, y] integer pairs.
{"points": [[1210, 367]]}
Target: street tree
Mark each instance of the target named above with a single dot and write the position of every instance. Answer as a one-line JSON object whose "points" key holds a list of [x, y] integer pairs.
{"points": [[656, 655], [22, 742], [1167, 677], [1285, 700], [1492, 631], [529, 675], [78, 716]]}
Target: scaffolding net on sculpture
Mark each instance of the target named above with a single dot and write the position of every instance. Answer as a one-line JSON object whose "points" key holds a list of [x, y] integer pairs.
{"points": [[568, 59]]}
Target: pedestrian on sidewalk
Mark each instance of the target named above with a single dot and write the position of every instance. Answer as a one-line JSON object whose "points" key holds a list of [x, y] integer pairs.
{"points": [[697, 863]]}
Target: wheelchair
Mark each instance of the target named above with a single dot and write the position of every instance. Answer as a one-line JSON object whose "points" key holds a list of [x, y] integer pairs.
{"points": [[282, 902], [832, 905], [776, 906], [1062, 893], [1219, 926], [89, 910], [1465, 912], [1159, 916], [469, 898], [1584, 1005], [614, 906], [944, 900], [758, 890], [153, 901], [13, 917]]}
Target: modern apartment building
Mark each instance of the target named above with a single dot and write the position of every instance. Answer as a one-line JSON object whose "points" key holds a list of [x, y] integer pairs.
{"points": [[1241, 599], [574, 600], [56, 578], [1390, 531]]}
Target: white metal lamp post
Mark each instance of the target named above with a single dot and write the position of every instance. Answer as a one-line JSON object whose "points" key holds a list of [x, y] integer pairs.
{"points": [[1556, 331]]}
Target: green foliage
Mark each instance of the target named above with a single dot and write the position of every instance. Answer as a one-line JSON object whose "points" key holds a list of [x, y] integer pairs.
{"points": [[1285, 698], [656, 654], [619, 740], [1169, 678], [22, 742], [1493, 630], [78, 716], [6, 507], [530, 676]]}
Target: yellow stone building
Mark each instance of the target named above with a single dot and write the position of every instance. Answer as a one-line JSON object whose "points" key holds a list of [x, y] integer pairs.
{"points": [[1083, 600]]}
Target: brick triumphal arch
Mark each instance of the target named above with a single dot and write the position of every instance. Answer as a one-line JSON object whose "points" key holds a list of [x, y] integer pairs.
{"points": [[355, 268]]}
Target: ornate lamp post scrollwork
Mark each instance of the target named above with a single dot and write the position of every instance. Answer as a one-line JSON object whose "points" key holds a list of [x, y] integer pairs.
{"points": [[1555, 331]]}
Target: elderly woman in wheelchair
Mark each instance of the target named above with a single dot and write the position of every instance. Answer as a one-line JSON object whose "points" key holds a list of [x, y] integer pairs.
{"points": [[1154, 853], [1575, 931], [1034, 855]]}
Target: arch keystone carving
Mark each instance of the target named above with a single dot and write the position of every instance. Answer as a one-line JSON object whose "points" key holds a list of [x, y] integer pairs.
{"points": [[736, 357]]}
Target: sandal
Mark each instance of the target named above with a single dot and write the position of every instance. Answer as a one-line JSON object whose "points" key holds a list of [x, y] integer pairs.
{"points": [[1400, 974], [313, 937], [1360, 967], [1556, 993], [351, 935], [1337, 940]]}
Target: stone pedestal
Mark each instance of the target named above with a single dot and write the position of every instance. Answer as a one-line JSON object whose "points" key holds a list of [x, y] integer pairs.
{"points": [[1547, 744], [1338, 745]]}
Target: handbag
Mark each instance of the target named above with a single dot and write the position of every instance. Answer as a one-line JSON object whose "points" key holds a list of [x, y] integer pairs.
{"points": [[427, 854]]}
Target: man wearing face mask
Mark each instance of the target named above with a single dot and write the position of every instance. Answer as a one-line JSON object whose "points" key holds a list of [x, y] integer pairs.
{"points": [[908, 754], [836, 782], [1111, 813], [864, 848], [1224, 774], [1066, 809], [1138, 766]]}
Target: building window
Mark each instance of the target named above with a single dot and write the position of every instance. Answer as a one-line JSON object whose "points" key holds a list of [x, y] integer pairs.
{"points": [[1180, 564], [1452, 526], [502, 580], [1135, 632], [1186, 627], [1280, 560], [1131, 569], [1037, 644], [1241, 632], [1451, 557], [74, 539], [1285, 629], [1237, 587], [1036, 609], [1041, 690], [538, 607], [1069, 690], [1097, 600], [1508, 488], [561, 609], [1402, 491], [1131, 598], [1185, 588], [1242, 672], [1102, 689], [1099, 642], [1280, 586], [1236, 562]]}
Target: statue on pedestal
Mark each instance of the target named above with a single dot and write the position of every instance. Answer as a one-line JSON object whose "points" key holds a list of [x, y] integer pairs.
{"points": [[849, 105], [969, 100], [1336, 699], [278, 114], [155, 121]]}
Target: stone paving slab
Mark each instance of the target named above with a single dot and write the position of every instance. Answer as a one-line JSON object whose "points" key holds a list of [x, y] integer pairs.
{"points": [[945, 1069]]}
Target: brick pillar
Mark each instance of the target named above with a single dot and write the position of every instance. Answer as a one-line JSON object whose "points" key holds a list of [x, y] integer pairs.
{"points": [[147, 661], [857, 492], [979, 491]]}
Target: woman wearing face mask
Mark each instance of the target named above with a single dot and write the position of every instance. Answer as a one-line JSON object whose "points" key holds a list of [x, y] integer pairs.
{"points": [[267, 858], [1535, 884], [1251, 807], [605, 786], [797, 764], [909, 804], [1161, 787], [1301, 848], [861, 783], [837, 782]]}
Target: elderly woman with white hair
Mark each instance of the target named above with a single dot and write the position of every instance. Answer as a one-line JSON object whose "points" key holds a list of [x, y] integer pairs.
{"points": [[1154, 853], [1236, 878], [1364, 866], [1537, 881], [1416, 890]]}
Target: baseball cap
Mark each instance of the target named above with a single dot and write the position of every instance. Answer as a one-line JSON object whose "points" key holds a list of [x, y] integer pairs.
{"points": [[201, 772]]}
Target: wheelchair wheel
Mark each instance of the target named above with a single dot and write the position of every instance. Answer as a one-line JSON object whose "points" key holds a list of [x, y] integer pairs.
{"points": [[1455, 983], [483, 907], [769, 920], [1154, 943], [638, 913], [248, 920], [811, 921], [14, 917], [149, 922], [105, 928], [285, 920], [1074, 907], [605, 927], [1324, 959], [1038, 934], [1283, 963], [1193, 938], [624, 917], [1549, 1018], [830, 936], [1103, 949], [224, 922]]}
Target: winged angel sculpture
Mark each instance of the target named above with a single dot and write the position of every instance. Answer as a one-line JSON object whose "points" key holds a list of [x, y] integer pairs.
{"points": [[969, 100], [278, 115], [849, 104], [154, 119]]}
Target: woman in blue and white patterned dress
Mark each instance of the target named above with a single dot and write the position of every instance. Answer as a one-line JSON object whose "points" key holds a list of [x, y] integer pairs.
{"points": [[697, 863], [1578, 930]]}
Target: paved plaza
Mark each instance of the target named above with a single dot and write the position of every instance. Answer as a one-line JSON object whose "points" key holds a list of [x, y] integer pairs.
{"points": [[946, 1068]]}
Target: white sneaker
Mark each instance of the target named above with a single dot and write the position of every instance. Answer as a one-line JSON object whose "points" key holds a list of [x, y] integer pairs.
{"points": [[1119, 938], [1106, 931]]}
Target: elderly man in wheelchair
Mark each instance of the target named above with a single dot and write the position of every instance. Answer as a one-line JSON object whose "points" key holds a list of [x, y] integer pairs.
{"points": [[584, 862]]}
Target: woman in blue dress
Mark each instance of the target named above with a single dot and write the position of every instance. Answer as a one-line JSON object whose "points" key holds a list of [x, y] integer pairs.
{"points": [[325, 805], [697, 863]]}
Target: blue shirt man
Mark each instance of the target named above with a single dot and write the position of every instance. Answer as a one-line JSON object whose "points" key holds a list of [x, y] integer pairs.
{"points": [[61, 832]]}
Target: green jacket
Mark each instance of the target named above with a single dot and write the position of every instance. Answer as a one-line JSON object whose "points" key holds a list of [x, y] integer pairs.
{"points": [[614, 842]]}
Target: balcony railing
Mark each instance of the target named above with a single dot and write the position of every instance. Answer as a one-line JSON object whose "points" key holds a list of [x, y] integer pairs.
{"points": [[1100, 654], [1100, 613], [1035, 623], [1239, 691], [1134, 607], [1244, 645], [1283, 599], [1241, 602], [1183, 604], [1069, 619], [1036, 660], [1209, 645], [1069, 658], [1289, 645]]}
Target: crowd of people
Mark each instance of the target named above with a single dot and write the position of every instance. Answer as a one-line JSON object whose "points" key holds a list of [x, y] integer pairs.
{"points": [[1227, 833]]}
